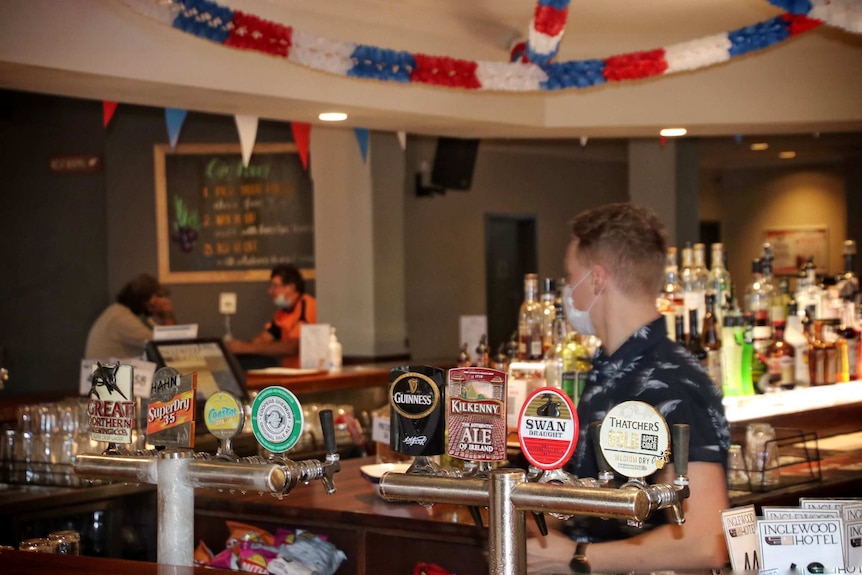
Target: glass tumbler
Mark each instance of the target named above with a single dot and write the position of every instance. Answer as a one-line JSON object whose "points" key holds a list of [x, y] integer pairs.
{"points": [[761, 455], [67, 542], [737, 471], [37, 545]]}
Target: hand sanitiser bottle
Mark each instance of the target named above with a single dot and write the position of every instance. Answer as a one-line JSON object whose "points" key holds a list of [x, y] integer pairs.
{"points": [[334, 352]]}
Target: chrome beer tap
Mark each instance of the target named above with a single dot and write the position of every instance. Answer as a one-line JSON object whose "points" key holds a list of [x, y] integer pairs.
{"points": [[177, 470], [509, 495]]}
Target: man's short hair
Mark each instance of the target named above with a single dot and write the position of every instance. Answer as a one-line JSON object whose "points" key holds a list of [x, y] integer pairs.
{"points": [[136, 294], [289, 274], [628, 240]]}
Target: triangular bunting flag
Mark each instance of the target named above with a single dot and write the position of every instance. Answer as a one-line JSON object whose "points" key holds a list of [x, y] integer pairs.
{"points": [[402, 139], [247, 128], [301, 135], [108, 109], [174, 118], [362, 138]]}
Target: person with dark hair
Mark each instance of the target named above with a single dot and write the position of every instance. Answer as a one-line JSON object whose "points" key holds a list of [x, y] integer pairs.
{"points": [[123, 329], [280, 337], [615, 268]]}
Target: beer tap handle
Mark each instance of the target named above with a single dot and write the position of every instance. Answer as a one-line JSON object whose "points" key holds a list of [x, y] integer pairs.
{"points": [[332, 464], [541, 523], [681, 433], [328, 427], [476, 514], [605, 473]]}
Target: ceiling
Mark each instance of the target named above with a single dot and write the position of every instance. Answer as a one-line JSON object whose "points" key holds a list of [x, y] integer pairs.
{"points": [[100, 49]]}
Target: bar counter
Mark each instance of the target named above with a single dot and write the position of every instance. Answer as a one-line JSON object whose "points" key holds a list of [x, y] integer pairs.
{"points": [[377, 536]]}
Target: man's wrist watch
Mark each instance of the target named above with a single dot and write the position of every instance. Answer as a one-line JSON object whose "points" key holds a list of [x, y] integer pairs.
{"points": [[579, 562]]}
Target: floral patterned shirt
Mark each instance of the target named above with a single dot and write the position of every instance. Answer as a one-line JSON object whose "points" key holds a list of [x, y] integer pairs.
{"points": [[651, 368]]}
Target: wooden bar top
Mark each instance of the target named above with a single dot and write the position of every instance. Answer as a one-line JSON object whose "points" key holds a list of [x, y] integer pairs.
{"points": [[355, 502]]}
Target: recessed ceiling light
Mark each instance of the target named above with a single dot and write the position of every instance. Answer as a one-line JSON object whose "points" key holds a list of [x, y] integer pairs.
{"points": [[333, 116], [759, 146], [673, 132], [788, 155]]}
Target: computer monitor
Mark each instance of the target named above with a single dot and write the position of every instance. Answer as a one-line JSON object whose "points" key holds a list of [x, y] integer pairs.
{"points": [[217, 368]]}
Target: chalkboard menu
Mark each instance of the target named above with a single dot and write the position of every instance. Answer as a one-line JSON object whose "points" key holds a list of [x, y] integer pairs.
{"points": [[218, 220]]}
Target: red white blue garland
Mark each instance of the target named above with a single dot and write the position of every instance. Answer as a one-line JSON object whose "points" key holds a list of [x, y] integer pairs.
{"points": [[536, 72]]}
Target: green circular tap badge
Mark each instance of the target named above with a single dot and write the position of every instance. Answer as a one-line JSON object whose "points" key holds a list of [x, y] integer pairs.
{"points": [[635, 439], [223, 415], [276, 419]]}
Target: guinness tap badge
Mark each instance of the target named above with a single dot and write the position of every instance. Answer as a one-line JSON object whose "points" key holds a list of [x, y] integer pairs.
{"points": [[416, 398]]}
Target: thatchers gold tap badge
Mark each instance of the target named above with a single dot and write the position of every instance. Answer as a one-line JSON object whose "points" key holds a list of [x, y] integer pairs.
{"points": [[635, 439]]}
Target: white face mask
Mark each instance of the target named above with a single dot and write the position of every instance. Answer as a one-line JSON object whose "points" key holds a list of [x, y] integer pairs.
{"points": [[579, 319], [281, 302]]}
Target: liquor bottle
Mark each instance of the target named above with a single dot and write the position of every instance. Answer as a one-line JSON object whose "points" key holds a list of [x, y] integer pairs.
{"points": [[718, 282], [693, 286], [847, 344], [794, 334], [732, 340], [530, 322], [749, 372], [693, 344], [711, 341], [780, 301], [781, 360], [679, 330], [700, 275], [464, 356], [501, 360], [758, 295], [822, 354], [670, 300], [548, 313], [554, 364], [576, 366], [847, 282], [808, 293], [483, 358]]}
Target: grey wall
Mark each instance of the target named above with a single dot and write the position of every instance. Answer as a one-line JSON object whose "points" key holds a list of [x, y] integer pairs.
{"points": [[53, 230], [69, 242], [445, 235]]}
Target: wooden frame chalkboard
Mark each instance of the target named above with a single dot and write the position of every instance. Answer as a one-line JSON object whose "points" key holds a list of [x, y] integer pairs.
{"points": [[217, 221]]}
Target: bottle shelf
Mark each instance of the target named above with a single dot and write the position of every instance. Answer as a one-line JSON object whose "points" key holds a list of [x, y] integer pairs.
{"points": [[753, 407]]}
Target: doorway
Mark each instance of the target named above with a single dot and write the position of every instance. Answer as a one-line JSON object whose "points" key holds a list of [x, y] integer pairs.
{"points": [[510, 253]]}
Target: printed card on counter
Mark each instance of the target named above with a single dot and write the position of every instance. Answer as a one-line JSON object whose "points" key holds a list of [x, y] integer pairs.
{"points": [[807, 546], [853, 546], [314, 346], [826, 503], [740, 532], [770, 512]]}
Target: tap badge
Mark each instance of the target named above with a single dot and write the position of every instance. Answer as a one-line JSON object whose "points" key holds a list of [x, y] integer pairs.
{"points": [[276, 419], [417, 422], [635, 439], [477, 414], [548, 428], [171, 411], [414, 395], [111, 406]]}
